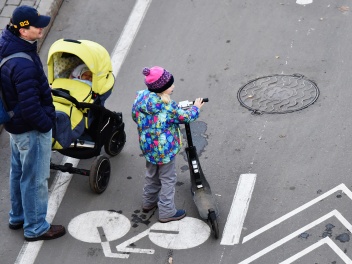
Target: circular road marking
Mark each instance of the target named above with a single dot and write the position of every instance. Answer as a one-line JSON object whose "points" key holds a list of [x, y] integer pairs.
{"points": [[186, 233], [84, 227]]}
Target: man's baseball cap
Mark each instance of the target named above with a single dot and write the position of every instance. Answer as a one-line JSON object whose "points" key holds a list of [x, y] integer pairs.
{"points": [[24, 16]]}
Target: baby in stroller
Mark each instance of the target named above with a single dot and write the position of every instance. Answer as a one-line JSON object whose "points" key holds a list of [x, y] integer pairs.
{"points": [[83, 74], [80, 74]]}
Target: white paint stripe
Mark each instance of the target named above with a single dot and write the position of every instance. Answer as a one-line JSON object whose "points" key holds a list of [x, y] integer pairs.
{"points": [[238, 211], [107, 251], [30, 250], [339, 252], [305, 251], [304, 2], [128, 34], [340, 187], [297, 233], [124, 247], [321, 242]]}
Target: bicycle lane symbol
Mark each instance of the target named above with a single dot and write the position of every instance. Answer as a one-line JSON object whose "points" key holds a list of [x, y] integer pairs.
{"points": [[106, 226]]}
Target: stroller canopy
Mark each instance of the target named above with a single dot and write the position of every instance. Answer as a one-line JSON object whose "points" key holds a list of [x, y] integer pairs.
{"points": [[64, 55]]}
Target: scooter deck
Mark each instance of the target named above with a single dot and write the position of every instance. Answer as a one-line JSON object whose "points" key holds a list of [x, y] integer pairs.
{"points": [[201, 191], [204, 201]]}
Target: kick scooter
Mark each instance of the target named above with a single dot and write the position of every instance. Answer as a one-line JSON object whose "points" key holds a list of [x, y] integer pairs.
{"points": [[200, 187]]}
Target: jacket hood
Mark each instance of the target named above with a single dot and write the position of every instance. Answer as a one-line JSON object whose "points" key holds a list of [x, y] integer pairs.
{"points": [[10, 43], [148, 102]]}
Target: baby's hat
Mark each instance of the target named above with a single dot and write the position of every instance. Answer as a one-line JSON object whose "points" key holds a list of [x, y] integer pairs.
{"points": [[79, 70], [157, 79]]}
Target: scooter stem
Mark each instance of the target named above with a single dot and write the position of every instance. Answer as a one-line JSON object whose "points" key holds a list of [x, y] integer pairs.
{"points": [[189, 135]]}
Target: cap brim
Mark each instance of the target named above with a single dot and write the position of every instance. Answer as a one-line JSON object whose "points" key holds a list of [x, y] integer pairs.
{"points": [[41, 22]]}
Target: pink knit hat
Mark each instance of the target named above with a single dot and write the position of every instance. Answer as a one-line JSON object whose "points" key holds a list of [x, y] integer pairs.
{"points": [[157, 79]]}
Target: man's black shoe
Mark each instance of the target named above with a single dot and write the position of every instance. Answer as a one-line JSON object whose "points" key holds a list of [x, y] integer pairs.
{"points": [[55, 231], [16, 226]]}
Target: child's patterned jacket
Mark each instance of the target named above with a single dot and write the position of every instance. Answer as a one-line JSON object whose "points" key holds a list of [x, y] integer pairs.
{"points": [[158, 126]]}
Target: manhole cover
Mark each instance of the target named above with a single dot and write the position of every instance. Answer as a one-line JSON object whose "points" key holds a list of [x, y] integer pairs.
{"points": [[278, 94]]}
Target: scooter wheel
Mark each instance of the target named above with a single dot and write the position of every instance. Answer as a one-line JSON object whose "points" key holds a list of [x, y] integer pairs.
{"points": [[99, 174], [213, 223]]}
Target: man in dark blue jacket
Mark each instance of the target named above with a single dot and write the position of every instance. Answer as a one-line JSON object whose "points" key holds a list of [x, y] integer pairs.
{"points": [[28, 94]]}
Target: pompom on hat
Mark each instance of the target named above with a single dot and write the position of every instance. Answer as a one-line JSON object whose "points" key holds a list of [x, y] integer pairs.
{"points": [[157, 79]]}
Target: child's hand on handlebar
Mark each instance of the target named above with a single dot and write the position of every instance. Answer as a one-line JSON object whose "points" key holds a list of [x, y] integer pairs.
{"points": [[199, 102]]}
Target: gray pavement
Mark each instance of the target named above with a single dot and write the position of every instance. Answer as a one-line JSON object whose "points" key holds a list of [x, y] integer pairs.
{"points": [[213, 48], [47, 7]]}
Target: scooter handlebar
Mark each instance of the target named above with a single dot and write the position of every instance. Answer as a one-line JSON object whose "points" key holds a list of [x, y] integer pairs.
{"points": [[186, 104], [205, 100]]}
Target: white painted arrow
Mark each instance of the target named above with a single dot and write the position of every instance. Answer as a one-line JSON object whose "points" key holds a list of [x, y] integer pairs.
{"points": [[321, 242], [342, 187], [335, 213]]}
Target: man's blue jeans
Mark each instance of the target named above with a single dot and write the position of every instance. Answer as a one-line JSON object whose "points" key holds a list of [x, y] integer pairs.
{"points": [[29, 174]]}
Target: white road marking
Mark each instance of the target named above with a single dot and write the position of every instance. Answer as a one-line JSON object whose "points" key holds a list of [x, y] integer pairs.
{"points": [[321, 242], [128, 34], [238, 211], [335, 213], [84, 227], [342, 187], [183, 234], [29, 251], [304, 2], [107, 251], [124, 247]]}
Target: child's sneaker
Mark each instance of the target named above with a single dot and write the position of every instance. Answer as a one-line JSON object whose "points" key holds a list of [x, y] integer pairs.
{"points": [[179, 215]]}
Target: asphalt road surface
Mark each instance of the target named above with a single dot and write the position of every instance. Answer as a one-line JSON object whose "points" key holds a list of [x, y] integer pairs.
{"points": [[281, 180]]}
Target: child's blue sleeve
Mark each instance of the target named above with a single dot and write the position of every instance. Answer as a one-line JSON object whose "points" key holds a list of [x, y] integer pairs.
{"points": [[181, 116]]}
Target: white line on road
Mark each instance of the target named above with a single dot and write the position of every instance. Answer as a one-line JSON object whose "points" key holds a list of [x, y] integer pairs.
{"points": [[128, 34], [335, 213], [342, 187], [321, 242], [238, 211], [304, 2], [29, 251]]}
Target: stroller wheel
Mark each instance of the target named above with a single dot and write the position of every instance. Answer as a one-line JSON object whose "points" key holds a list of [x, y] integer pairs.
{"points": [[99, 175], [115, 143]]}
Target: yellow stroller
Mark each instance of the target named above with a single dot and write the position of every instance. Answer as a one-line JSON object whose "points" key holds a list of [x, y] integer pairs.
{"points": [[83, 124]]}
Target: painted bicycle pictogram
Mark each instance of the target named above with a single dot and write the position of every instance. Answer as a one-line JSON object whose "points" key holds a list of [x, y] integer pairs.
{"points": [[106, 226]]}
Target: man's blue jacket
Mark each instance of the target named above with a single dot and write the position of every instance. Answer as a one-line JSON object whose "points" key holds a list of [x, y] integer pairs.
{"points": [[25, 87]]}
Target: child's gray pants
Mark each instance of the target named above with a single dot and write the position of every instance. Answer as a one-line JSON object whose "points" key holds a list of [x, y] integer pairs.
{"points": [[159, 187]]}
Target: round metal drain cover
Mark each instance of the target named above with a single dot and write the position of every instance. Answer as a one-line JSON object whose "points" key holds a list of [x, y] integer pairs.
{"points": [[278, 94]]}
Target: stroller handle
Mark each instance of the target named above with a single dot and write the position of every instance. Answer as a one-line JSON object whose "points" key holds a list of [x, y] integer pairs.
{"points": [[80, 105]]}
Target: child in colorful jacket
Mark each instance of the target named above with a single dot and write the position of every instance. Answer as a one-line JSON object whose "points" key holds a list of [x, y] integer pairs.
{"points": [[158, 118]]}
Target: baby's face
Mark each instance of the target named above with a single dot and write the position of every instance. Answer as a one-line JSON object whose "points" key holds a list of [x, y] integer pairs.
{"points": [[87, 76]]}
